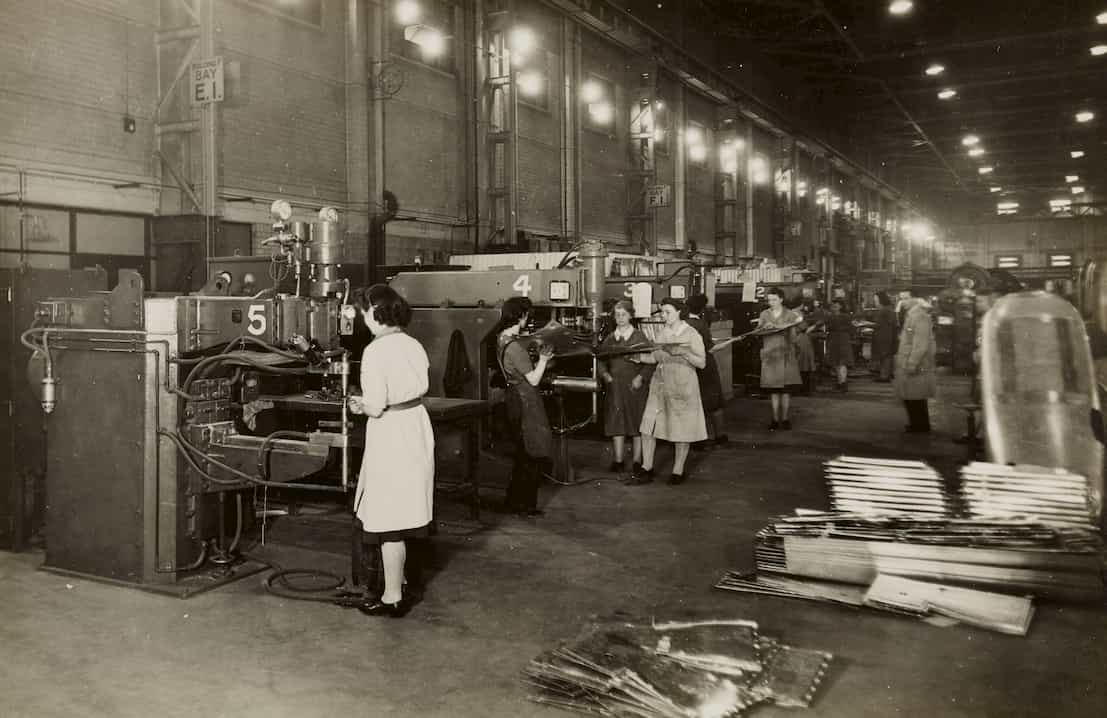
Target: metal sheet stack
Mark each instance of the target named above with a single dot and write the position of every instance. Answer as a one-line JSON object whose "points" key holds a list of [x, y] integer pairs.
{"points": [[1014, 556], [699, 668], [881, 486], [1053, 496]]}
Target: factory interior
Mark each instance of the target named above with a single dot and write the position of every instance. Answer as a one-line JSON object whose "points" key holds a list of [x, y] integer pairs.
{"points": [[792, 312]]}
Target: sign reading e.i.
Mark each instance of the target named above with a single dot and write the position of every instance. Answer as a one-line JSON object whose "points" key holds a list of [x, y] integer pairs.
{"points": [[658, 196], [207, 81]]}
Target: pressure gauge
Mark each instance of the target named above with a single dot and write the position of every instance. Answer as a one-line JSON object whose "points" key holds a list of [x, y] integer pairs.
{"points": [[328, 214], [349, 311], [281, 210]]}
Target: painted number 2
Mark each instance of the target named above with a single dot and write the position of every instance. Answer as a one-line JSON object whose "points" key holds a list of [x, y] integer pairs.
{"points": [[256, 315], [522, 285]]}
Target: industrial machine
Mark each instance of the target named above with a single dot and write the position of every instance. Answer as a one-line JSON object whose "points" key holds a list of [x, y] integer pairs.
{"points": [[22, 431], [166, 413]]}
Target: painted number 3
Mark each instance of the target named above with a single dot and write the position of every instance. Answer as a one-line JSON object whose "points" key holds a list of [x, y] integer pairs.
{"points": [[522, 285], [256, 315]]}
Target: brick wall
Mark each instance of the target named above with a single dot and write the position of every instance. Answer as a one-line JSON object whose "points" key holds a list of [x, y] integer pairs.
{"points": [[284, 128], [699, 190], [604, 154], [69, 72]]}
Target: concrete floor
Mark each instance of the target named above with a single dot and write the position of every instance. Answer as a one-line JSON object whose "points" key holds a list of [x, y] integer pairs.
{"points": [[503, 593]]}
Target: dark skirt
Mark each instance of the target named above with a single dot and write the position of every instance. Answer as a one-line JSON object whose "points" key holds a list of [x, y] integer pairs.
{"points": [[711, 387], [375, 539]]}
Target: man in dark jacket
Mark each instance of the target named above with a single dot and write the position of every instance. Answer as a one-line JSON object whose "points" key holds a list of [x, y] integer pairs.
{"points": [[914, 379]]}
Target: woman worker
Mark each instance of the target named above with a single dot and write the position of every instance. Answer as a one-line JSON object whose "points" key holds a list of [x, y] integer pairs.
{"points": [[534, 442], [395, 489], [839, 341], [628, 381], [711, 387], [779, 368], [673, 409]]}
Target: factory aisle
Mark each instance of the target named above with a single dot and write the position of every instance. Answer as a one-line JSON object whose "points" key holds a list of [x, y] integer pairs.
{"points": [[501, 595]]}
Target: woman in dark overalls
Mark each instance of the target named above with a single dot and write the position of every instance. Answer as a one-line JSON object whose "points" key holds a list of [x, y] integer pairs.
{"points": [[533, 442]]}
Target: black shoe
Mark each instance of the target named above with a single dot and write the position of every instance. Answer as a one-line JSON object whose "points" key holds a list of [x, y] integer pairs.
{"points": [[676, 479], [786, 425], [380, 608], [616, 467], [530, 513], [640, 477], [916, 430], [773, 426]]}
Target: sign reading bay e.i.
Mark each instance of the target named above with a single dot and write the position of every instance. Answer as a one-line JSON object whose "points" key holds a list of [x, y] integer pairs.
{"points": [[658, 196], [207, 81]]}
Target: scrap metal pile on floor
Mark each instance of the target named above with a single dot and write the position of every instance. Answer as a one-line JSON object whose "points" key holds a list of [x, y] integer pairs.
{"points": [[698, 669], [1023, 530]]}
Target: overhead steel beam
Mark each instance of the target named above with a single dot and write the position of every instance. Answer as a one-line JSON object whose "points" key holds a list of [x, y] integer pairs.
{"points": [[953, 47], [838, 28]]}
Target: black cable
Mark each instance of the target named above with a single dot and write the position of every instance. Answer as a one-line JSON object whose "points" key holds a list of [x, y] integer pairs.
{"points": [[266, 444]]}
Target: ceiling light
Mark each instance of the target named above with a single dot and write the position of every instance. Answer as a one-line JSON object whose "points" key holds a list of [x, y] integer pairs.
{"points": [[901, 7], [935, 70], [985, 170], [1072, 178], [947, 94], [693, 136], [429, 39], [995, 189], [407, 12], [1085, 116], [970, 140], [1098, 50], [1076, 154], [530, 83], [697, 153], [522, 40], [1077, 189], [976, 151], [1058, 205], [601, 113], [591, 92], [1101, 18]]}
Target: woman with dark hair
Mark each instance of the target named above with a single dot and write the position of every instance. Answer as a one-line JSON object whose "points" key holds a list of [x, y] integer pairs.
{"points": [[627, 379], [884, 337], [779, 368], [839, 341], [711, 387], [534, 442], [395, 489], [673, 409]]}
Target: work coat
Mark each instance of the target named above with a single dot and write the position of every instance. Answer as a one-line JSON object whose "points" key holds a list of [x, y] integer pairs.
{"points": [[914, 377]]}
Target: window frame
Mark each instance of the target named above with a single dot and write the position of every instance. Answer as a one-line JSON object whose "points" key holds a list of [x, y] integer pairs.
{"points": [[1002, 261]]}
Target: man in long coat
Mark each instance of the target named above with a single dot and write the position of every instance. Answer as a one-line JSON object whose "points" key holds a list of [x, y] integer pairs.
{"points": [[914, 379]]}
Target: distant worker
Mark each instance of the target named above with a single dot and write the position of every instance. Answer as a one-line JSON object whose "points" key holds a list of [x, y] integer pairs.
{"points": [[525, 409], [914, 381], [673, 409], [805, 356], [711, 386], [839, 342], [395, 489], [628, 381], [779, 368], [884, 338]]}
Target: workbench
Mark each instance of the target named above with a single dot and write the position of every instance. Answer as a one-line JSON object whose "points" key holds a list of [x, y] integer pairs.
{"points": [[461, 413]]}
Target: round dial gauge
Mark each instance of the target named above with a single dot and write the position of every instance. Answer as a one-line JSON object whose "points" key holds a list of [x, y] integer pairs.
{"points": [[281, 209], [328, 214]]}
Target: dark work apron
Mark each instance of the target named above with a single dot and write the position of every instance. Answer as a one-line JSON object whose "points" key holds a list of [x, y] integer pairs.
{"points": [[526, 410]]}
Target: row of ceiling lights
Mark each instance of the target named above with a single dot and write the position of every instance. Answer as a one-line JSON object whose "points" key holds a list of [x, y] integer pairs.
{"points": [[972, 142]]}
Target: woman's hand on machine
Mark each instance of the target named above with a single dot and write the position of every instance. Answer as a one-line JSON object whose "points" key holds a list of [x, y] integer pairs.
{"points": [[355, 406]]}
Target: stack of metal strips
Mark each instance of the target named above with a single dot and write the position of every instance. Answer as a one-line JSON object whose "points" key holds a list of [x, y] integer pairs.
{"points": [[1052, 496], [639, 670], [882, 486], [1013, 556]]}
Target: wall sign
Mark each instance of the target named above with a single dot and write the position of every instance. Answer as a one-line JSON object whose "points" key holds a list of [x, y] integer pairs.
{"points": [[207, 81]]}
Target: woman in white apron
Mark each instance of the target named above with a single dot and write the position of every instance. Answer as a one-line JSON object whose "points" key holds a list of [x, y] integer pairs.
{"points": [[395, 491]]}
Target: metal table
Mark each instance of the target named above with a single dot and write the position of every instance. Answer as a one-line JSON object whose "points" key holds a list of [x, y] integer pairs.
{"points": [[462, 413]]}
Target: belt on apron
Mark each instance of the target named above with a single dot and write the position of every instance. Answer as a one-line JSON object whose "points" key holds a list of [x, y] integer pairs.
{"points": [[409, 404]]}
